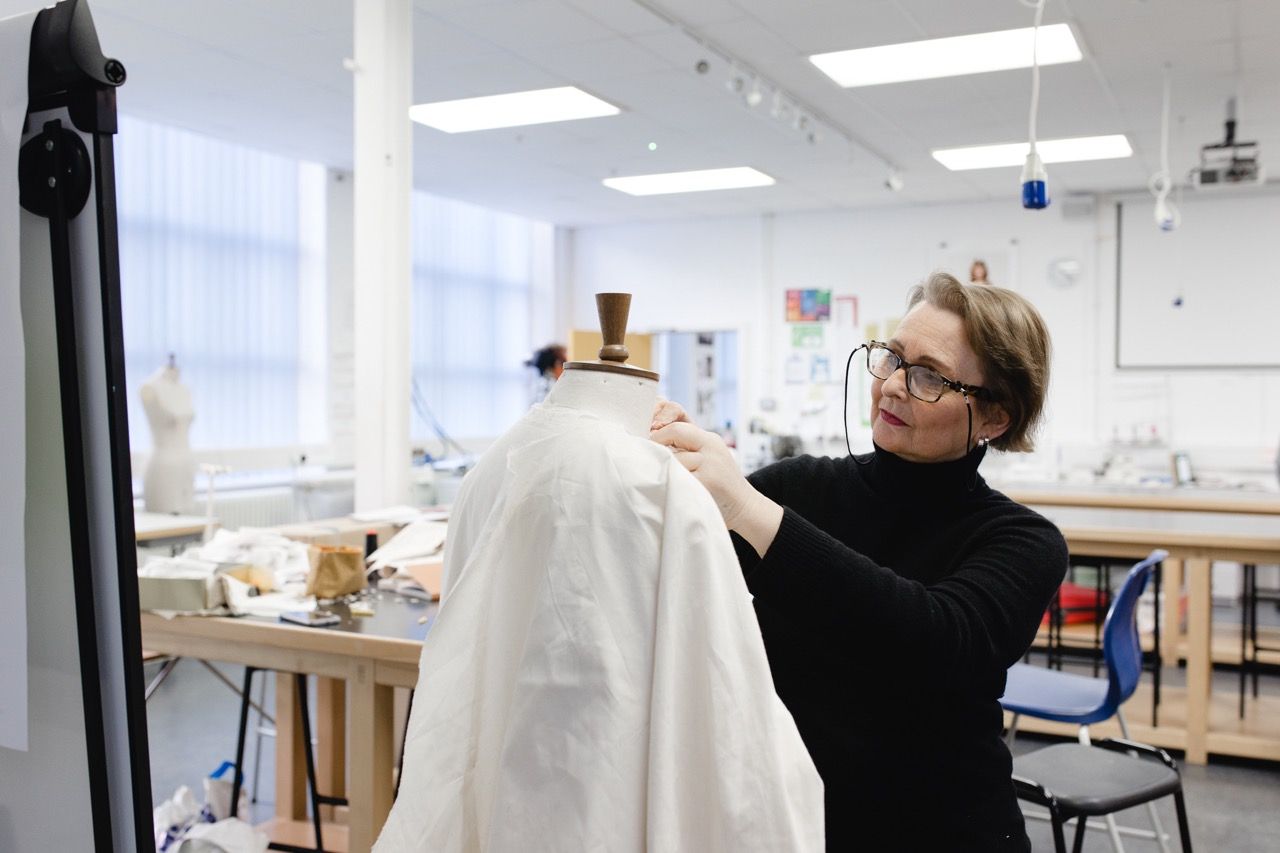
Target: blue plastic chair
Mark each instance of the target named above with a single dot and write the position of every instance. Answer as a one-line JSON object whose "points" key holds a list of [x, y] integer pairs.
{"points": [[1069, 698]]}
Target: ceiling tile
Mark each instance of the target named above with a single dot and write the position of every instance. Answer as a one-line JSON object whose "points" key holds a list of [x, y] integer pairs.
{"points": [[525, 25], [270, 75]]}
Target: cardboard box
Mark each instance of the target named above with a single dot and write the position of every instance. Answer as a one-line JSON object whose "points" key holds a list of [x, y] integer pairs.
{"points": [[181, 584]]}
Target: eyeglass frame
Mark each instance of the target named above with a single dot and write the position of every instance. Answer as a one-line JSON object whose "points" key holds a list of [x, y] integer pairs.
{"points": [[960, 387], [949, 384]]}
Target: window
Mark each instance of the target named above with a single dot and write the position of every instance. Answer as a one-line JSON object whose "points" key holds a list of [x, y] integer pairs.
{"points": [[222, 266], [481, 303]]}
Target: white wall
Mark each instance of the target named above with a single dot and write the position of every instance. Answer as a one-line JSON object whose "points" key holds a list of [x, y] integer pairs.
{"points": [[704, 275], [733, 273]]}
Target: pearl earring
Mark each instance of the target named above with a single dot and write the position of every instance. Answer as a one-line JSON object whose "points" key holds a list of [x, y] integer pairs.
{"points": [[983, 441]]}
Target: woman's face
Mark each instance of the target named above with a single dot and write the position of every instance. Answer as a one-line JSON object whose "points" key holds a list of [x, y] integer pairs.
{"points": [[930, 432]]}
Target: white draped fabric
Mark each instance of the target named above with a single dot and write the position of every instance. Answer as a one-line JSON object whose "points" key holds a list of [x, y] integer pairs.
{"points": [[595, 679]]}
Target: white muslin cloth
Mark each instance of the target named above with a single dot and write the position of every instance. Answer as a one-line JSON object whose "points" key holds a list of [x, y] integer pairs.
{"points": [[595, 679]]}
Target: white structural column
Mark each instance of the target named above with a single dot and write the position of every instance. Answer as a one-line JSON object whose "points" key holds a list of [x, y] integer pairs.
{"points": [[383, 181]]}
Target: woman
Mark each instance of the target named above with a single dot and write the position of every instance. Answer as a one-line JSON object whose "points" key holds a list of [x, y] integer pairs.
{"points": [[894, 589], [549, 363], [978, 272]]}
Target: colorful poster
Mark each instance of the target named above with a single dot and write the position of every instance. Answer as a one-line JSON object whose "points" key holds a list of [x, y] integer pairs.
{"points": [[819, 369], [808, 306], [807, 337]]}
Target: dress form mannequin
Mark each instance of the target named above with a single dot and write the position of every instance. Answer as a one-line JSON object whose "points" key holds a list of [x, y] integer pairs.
{"points": [[624, 400], [615, 391], [168, 485]]}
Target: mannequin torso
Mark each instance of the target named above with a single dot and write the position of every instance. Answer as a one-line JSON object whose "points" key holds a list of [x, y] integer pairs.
{"points": [[625, 400], [168, 483]]}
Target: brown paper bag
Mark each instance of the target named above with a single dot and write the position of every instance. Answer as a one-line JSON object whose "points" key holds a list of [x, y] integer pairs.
{"points": [[335, 571]]}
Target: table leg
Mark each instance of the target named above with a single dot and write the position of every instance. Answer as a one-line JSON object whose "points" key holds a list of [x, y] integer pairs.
{"points": [[370, 730], [291, 766], [1171, 625], [331, 736], [1199, 661]]}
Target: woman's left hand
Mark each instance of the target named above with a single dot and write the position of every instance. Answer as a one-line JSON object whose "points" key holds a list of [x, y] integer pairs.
{"points": [[705, 455]]}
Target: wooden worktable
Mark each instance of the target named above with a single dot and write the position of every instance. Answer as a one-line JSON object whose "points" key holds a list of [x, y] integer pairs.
{"points": [[1194, 540], [367, 656], [159, 526], [1188, 499]]}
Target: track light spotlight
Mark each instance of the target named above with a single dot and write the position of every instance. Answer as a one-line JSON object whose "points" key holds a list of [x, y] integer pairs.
{"points": [[737, 83], [781, 109]]}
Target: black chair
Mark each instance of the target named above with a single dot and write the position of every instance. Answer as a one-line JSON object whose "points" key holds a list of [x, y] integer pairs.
{"points": [[1077, 781], [317, 799]]}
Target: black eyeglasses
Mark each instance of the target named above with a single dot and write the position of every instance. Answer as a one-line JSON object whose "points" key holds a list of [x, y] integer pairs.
{"points": [[923, 383]]}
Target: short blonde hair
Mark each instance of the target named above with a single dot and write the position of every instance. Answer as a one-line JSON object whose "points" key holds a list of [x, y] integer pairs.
{"points": [[1011, 341]]}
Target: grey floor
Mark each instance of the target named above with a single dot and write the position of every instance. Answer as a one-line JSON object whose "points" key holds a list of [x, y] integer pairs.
{"points": [[1233, 805], [191, 727]]}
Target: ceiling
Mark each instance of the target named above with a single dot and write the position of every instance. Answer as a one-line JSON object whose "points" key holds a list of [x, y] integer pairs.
{"points": [[270, 74]]}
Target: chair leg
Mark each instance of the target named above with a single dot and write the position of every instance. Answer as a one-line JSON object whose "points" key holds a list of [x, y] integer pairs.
{"points": [[309, 752], [1083, 737], [1013, 731], [1156, 826], [1254, 666], [1059, 841], [1099, 615], [1184, 831], [1244, 636], [244, 724], [1053, 655], [1157, 657], [1078, 843]]}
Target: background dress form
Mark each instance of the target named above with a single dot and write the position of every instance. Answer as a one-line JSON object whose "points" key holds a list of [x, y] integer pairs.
{"points": [[169, 482], [595, 679]]}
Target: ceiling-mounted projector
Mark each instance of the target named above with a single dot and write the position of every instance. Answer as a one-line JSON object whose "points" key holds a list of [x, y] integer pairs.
{"points": [[1229, 162]]}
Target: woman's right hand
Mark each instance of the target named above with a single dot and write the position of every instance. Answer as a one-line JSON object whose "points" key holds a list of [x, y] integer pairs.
{"points": [[668, 412]]}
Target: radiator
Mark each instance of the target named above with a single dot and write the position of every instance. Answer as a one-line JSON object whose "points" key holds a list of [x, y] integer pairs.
{"points": [[254, 507]]}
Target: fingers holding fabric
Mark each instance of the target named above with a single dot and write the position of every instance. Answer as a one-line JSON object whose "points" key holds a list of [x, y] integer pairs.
{"points": [[668, 412]]}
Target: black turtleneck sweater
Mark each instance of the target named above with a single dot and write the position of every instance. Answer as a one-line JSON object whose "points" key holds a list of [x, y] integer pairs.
{"points": [[892, 600]]}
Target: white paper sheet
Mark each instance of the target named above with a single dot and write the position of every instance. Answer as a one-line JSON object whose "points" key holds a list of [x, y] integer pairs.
{"points": [[15, 46]]}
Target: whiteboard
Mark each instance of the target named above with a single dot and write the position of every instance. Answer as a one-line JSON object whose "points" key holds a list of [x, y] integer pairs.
{"points": [[1224, 264]]}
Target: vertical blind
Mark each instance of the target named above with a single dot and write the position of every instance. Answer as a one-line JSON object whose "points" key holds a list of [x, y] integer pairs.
{"points": [[220, 266], [479, 300], [222, 256]]}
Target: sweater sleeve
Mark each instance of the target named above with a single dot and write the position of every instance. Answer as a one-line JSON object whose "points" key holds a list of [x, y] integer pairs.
{"points": [[972, 624]]}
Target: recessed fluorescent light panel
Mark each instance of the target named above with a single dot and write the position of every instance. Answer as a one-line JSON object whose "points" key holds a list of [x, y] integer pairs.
{"points": [[1050, 150], [540, 106], [948, 57], [690, 182]]}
